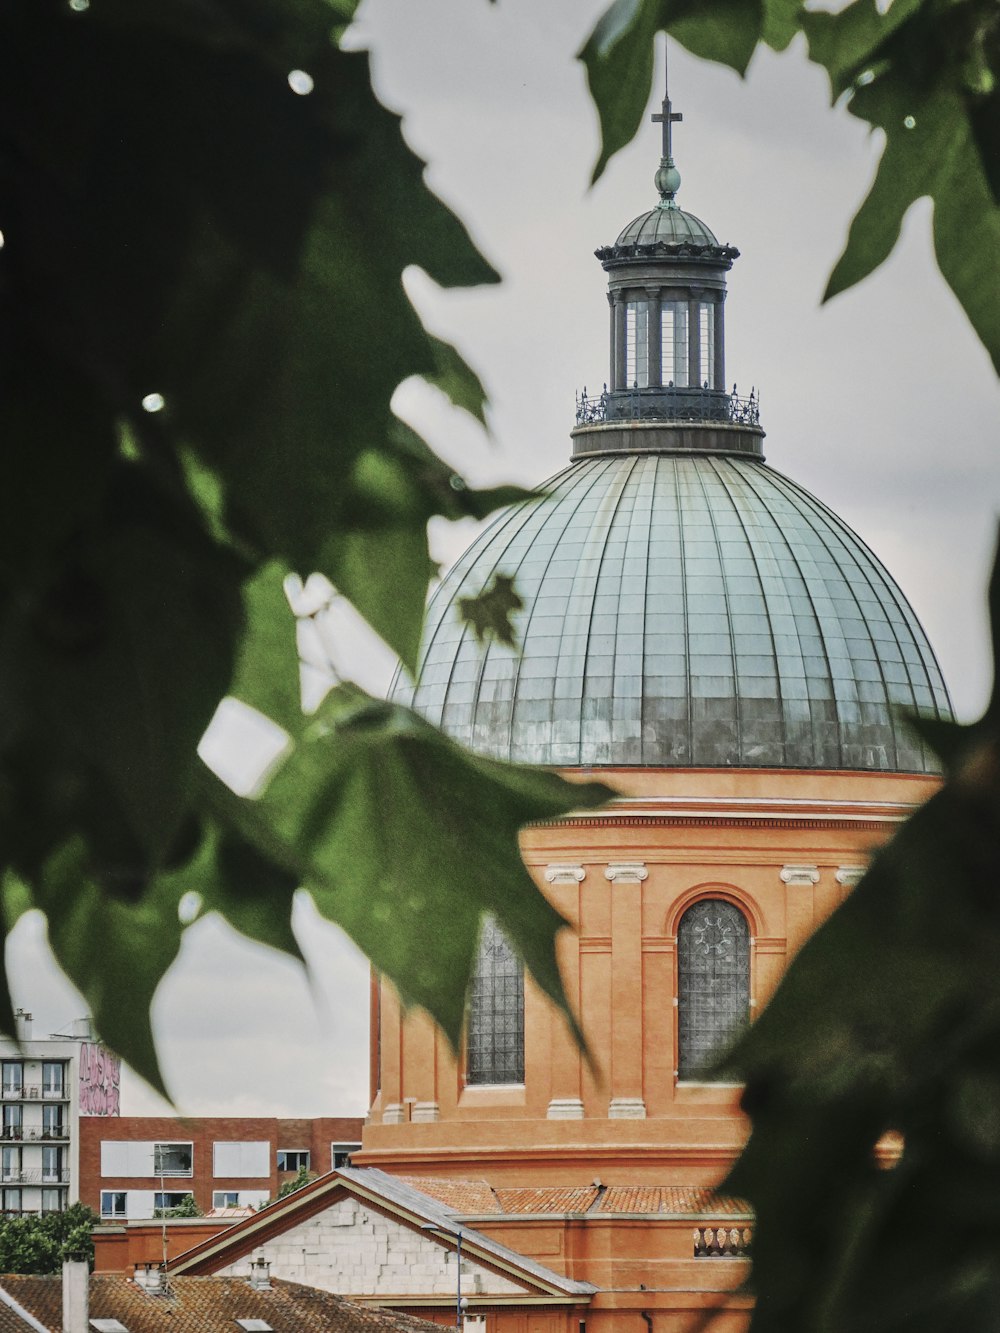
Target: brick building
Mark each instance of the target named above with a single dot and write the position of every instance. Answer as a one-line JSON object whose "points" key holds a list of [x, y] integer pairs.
{"points": [[133, 1166]]}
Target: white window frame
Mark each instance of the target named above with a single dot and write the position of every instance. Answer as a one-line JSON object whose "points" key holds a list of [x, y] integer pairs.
{"points": [[112, 1195], [299, 1152], [159, 1146], [177, 1197]]}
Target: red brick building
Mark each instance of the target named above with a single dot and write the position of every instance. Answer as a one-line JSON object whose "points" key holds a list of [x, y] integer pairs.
{"points": [[132, 1166]]}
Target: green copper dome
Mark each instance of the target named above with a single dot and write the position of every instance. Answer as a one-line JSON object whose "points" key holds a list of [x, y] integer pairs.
{"points": [[664, 225], [681, 611]]}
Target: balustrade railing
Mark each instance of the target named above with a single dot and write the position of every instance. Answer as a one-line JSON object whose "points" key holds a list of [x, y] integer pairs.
{"points": [[669, 403], [35, 1176], [722, 1242], [32, 1092]]}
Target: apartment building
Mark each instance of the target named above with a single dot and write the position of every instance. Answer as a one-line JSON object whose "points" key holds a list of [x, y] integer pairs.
{"points": [[47, 1085], [133, 1167]]}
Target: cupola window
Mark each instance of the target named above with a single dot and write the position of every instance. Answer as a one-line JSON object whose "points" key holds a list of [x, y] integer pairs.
{"points": [[637, 344], [674, 343], [706, 339], [713, 974], [496, 1011]]}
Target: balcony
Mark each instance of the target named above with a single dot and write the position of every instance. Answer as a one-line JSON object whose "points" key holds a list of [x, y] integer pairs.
{"points": [[722, 1242], [667, 404], [18, 1134], [35, 1176], [33, 1092]]}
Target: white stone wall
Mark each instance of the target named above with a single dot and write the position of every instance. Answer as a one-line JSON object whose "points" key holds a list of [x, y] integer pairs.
{"points": [[355, 1251]]}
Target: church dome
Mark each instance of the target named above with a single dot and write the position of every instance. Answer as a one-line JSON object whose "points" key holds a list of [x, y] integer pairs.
{"points": [[666, 226], [681, 611]]}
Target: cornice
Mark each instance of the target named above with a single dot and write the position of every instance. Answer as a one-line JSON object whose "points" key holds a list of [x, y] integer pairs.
{"points": [[737, 812]]}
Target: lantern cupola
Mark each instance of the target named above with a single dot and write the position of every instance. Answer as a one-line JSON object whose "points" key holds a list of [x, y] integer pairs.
{"points": [[666, 387]]}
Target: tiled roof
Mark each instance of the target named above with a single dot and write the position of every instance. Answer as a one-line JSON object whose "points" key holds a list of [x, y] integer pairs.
{"points": [[550, 1199], [203, 1305], [686, 1200], [472, 1197]]}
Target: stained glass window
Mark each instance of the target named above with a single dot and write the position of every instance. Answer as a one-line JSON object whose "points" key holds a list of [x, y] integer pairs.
{"points": [[496, 1012], [713, 969]]}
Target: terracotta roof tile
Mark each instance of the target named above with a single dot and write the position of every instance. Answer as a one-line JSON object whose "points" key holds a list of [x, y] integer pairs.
{"points": [[205, 1305], [686, 1200], [465, 1196], [551, 1199]]}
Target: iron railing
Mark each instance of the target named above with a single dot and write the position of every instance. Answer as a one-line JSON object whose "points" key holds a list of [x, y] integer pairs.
{"points": [[35, 1176], [667, 404], [30, 1092]]}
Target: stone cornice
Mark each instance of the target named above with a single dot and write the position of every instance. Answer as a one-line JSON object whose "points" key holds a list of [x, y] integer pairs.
{"points": [[738, 812]]}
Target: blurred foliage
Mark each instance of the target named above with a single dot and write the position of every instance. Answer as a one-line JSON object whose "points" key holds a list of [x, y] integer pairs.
{"points": [[206, 215], [888, 1020]]}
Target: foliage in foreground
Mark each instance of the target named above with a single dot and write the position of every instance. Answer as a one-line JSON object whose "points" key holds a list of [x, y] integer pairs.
{"points": [[38, 1243], [206, 217]]}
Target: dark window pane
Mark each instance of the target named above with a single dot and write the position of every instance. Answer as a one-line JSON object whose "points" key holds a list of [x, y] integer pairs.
{"points": [[713, 968], [496, 1011]]}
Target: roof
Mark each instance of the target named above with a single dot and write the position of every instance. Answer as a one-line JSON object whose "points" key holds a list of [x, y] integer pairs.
{"points": [[680, 611], [411, 1206], [668, 224], [199, 1305], [474, 1198]]}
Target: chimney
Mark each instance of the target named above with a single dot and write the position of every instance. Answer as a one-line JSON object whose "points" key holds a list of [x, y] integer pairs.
{"points": [[22, 1022], [75, 1311], [151, 1278], [260, 1274]]}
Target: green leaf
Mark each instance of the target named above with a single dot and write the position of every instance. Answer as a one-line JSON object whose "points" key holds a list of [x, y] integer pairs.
{"points": [[490, 611], [456, 379], [267, 670], [618, 54], [373, 810], [115, 952], [253, 892]]}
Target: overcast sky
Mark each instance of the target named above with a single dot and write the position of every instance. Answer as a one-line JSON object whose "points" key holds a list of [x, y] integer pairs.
{"points": [[883, 404]]}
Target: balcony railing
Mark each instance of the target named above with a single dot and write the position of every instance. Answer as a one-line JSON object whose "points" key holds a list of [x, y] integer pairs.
{"points": [[668, 404], [722, 1242], [33, 1092], [35, 1176], [18, 1134]]}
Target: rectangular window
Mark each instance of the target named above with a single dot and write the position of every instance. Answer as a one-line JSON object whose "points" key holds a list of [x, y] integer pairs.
{"points": [[12, 1122], [293, 1159], [52, 1122], [637, 344], [239, 1198], [13, 1078], [707, 340], [674, 343], [52, 1165], [225, 1199], [242, 1161], [172, 1159], [52, 1201], [163, 1202], [53, 1078], [340, 1154], [10, 1164], [114, 1203], [10, 1201]]}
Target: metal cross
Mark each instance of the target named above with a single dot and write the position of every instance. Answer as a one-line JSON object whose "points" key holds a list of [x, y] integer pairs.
{"points": [[667, 117]]}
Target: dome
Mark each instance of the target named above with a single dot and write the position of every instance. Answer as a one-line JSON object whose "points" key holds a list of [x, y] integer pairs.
{"points": [[666, 225], [681, 611]]}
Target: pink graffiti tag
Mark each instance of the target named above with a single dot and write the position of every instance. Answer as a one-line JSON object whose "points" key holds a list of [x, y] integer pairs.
{"points": [[100, 1080]]}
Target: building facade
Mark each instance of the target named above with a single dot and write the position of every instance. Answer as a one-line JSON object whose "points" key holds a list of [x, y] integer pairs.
{"points": [[49, 1087], [138, 1167]]}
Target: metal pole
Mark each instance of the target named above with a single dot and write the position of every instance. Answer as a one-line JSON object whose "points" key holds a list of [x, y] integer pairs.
{"points": [[458, 1286]]}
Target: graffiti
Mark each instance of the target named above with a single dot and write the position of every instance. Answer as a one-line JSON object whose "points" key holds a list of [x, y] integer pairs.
{"points": [[100, 1080]]}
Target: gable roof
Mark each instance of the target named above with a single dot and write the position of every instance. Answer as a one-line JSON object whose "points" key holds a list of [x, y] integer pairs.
{"points": [[197, 1305], [388, 1194], [475, 1199]]}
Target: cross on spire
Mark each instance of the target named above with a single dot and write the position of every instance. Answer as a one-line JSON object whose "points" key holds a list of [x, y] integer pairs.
{"points": [[667, 116]]}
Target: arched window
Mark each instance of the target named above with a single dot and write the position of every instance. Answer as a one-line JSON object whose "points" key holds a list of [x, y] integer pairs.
{"points": [[713, 972], [496, 1012]]}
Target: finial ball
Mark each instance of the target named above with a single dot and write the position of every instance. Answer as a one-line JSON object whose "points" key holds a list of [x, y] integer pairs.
{"points": [[667, 180]]}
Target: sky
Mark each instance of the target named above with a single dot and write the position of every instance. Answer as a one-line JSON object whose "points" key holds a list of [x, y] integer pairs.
{"points": [[882, 403]]}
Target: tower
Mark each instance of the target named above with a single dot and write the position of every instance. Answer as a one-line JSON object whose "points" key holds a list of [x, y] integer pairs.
{"points": [[712, 640]]}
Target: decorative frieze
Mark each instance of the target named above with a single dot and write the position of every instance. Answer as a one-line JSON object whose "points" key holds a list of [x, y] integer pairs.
{"points": [[800, 876]]}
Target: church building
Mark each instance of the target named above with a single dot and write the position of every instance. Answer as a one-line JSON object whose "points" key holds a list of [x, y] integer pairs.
{"points": [[705, 636]]}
